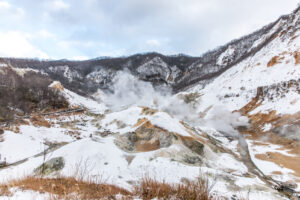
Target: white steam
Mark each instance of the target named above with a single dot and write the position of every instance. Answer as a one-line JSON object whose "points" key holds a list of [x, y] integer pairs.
{"points": [[225, 121], [130, 91]]}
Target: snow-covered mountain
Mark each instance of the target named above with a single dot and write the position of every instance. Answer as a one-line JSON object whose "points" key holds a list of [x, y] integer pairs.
{"points": [[231, 116]]}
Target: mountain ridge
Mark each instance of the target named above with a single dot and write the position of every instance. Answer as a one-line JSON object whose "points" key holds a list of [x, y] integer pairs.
{"points": [[186, 69]]}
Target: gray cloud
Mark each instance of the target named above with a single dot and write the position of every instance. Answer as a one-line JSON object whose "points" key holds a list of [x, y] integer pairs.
{"points": [[94, 28]]}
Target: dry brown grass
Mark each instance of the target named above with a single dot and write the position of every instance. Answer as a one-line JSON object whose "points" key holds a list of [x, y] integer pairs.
{"points": [[4, 191], [83, 186], [191, 190], [68, 188], [297, 57], [65, 188], [39, 121]]}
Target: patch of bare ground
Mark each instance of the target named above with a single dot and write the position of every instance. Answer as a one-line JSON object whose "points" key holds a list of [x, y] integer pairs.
{"points": [[287, 145], [274, 60], [290, 162]]}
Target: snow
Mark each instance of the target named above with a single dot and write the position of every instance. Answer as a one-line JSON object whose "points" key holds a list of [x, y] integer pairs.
{"points": [[155, 66], [103, 160], [265, 36], [66, 72], [282, 105], [227, 161], [128, 116], [3, 65], [25, 195], [267, 127], [77, 100], [239, 83], [22, 71], [225, 55], [131, 116], [19, 71], [11, 153], [165, 121], [101, 76], [269, 167], [32, 137]]}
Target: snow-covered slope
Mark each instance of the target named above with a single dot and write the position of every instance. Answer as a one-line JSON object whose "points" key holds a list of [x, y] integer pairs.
{"points": [[265, 88], [123, 147], [273, 69]]}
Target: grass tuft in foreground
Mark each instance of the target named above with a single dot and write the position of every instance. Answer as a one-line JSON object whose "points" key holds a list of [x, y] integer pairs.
{"points": [[71, 188]]}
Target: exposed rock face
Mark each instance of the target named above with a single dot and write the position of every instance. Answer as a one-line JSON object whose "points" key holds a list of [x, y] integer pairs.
{"points": [[154, 70], [195, 146], [192, 160], [104, 133], [146, 138], [51, 166]]}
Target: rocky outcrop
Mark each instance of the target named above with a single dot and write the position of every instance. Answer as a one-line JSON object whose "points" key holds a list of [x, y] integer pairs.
{"points": [[145, 138], [51, 166]]}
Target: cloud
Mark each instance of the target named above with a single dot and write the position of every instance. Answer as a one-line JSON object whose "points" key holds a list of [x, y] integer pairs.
{"points": [[59, 5], [10, 11], [16, 44], [153, 42], [4, 5], [75, 44], [44, 34]]}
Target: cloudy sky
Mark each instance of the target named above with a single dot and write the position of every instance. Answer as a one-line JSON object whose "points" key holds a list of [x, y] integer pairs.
{"points": [[81, 29]]}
